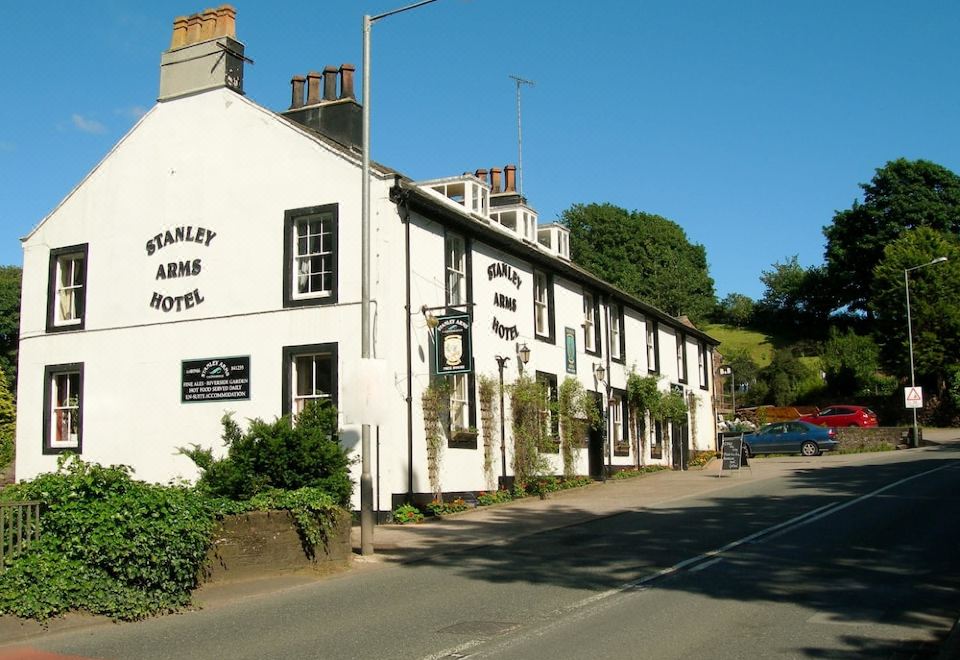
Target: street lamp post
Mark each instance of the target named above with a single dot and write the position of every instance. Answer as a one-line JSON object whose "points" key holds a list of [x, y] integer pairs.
{"points": [[601, 375], [366, 480], [501, 361], [915, 440]]}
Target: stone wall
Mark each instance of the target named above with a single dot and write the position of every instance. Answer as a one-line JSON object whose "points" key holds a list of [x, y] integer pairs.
{"points": [[859, 439], [263, 543]]}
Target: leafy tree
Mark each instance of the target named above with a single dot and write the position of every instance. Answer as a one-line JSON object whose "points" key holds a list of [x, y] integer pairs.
{"points": [[794, 294], [643, 399], [934, 305], [787, 378], [851, 362], [10, 277], [8, 422], [646, 255], [903, 195], [736, 309]]}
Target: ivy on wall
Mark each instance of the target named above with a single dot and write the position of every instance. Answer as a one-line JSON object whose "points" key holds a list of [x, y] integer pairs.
{"points": [[487, 390]]}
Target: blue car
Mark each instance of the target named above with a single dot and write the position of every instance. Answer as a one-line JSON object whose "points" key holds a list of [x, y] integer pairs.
{"points": [[791, 438]]}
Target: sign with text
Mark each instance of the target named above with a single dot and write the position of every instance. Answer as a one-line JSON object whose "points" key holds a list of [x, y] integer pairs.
{"points": [[913, 397], [732, 455], [215, 379], [570, 345], [453, 344]]}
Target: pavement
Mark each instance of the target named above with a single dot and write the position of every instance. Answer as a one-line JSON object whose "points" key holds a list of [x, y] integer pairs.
{"points": [[485, 526]]}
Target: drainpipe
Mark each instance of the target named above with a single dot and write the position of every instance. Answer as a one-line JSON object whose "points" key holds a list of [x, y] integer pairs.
{"points": [[609, 375], [399, 197]]}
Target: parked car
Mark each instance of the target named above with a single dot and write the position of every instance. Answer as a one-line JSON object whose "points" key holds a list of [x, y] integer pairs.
{"points": [[791, 438], [837, 416]]}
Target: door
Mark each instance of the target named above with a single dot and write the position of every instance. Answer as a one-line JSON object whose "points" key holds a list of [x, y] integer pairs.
{"points": [[679, 437]]}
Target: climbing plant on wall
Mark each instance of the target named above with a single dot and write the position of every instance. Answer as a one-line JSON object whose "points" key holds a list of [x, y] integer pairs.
{"points": [[487, 389], [530, 433], [577, 413], [436, 406], [643, 400]]}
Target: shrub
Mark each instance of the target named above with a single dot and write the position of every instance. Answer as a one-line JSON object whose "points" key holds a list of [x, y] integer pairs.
{"points": [[439, 508], [109, 544], [284, 454], [8, 422], [637, 472], [494, 497]]}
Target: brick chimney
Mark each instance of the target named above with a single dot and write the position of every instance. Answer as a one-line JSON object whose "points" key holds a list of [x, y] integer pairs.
{"points": [[337, 116], [204, 54]]}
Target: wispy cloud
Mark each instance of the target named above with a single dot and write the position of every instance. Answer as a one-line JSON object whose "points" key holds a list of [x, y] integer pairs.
{"points": [[133, 112], [87, 125]]}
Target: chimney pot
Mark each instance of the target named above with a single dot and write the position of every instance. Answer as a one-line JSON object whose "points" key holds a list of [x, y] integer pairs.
{"points": [[193, 29], [510, 174], [329, 83], [179, 32], [313, 87], [208, 24], [481, 174], [226, 22], [494, 180], [346, 81], [297, 84]]}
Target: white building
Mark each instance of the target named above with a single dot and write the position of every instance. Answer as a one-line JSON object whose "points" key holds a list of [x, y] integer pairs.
{"points": [[211, 263]]}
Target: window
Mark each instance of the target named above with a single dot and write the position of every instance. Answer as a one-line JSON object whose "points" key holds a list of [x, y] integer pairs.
{"points": [[456, 269], [703, 365], [681, 357], [549, 421], [67, 292], [310, 256], [617, 339], [309, 374], [653, 348], [63, 408], [459, 403], [543, 306], [590, 343], [619, 431], [656, 439]]}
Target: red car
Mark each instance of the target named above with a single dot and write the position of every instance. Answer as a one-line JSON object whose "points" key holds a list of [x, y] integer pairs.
{"points": [[843, 416]]}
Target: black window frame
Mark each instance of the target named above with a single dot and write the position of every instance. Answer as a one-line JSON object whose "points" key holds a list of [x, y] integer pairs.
{"points": [[553, 395], [597, 349], [616, 309], [456, 439], [624, 422], [705, 367], [290, 218], [286, 371], [467, 267], [49, 371], [654, 327], [682, 367], [551, 336], [55, 255]]}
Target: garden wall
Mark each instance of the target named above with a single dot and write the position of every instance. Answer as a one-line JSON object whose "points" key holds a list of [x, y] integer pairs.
{"points": [[872, 439], [263, 543]]}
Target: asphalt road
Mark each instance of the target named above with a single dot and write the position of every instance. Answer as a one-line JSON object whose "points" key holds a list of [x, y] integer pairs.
{"points": [[847, 560]]}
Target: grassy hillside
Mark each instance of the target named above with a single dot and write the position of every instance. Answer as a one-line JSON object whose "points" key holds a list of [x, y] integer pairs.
{"points": [[758, 345]]}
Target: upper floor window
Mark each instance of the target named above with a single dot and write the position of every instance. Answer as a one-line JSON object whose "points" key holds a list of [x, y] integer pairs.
{"points": [[63, 408], [703, 365], [543, 305], [681, 357], [617, 339], [310, 256], [589, 323], [309, 374], [67, 293], [456, 269], [653, 347]]}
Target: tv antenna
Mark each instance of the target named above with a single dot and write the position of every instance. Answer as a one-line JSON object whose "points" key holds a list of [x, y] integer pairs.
{"points": [[520, 81]]}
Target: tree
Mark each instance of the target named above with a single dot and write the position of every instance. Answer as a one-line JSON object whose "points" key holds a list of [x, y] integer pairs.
{"points": [[934, 305], [646, 255], [736, 309], [787, 378], [8, 423], [902, 195], [10, 277], [851, 363], [794, 294]]}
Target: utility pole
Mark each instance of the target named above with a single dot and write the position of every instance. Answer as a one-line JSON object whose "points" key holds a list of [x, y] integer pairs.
{"points": [[520, 81]]}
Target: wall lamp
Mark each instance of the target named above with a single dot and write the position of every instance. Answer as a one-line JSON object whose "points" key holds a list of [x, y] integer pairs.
{"points": [[599, 373], [523, 352]]}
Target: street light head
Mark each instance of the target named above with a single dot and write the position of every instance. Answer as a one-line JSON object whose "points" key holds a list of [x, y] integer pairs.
{"points": [[938, 260], [524, 352]]}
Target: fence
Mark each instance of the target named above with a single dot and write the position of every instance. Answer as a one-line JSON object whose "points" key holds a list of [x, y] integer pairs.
{"points": [[19, 526]]}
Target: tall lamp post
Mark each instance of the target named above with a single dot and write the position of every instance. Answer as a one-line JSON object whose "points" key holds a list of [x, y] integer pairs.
{"points": [[601, 375], [366, 480], [915, 440]]}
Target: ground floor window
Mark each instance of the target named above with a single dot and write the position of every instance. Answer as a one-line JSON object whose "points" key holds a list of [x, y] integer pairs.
{"points": [[619, 429], [459, 403], [309, 374], [656, 440], [63, 408]]}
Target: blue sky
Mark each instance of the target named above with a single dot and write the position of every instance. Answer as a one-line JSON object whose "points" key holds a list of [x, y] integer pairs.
{"points": [[747, 122]]}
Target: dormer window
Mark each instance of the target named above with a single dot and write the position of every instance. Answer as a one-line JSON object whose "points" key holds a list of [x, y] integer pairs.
{"points": [[467, 191]]}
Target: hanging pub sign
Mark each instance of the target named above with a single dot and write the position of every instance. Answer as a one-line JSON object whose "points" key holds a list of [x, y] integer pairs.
{"points": [[215, 379], [454, 354]]}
